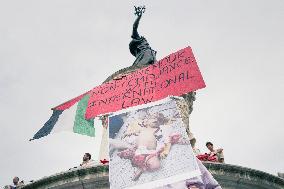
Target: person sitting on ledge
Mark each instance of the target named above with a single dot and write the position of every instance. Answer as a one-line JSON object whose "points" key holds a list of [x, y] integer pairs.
{"points": [[16, 182], [87, 161], [216, 155], [213, 156]]}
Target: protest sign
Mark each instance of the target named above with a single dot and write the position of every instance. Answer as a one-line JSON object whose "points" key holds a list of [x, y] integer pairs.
{"points": [[175, 75]]}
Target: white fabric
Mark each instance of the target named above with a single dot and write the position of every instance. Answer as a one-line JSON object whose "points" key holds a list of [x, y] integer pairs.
{"points": [[66, 120]]}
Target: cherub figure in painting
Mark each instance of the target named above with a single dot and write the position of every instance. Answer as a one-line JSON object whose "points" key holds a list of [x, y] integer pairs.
{"points": [[153, 139]]}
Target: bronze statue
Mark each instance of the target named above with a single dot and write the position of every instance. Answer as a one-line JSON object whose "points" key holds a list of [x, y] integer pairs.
{"points": [[139, 47]]}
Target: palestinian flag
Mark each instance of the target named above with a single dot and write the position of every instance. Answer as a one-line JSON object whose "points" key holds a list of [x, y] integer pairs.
{"points": [[69, 116]]}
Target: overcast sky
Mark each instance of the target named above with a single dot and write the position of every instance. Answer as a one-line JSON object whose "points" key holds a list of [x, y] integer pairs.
{"points": [[51, 51]]}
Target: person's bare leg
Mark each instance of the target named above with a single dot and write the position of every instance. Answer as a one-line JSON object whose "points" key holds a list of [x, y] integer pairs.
{"points": [[116, 144]]}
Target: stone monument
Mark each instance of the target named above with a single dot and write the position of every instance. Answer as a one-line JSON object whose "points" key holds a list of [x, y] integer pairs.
{"points": [[228, 176], [145, 55]]}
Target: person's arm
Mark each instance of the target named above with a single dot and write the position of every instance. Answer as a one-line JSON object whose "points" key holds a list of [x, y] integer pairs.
{"points": [[220, 150], [166, 150]]}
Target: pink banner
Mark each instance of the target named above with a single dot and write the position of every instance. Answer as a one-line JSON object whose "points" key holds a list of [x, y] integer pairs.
{"points": [[174, 75]]}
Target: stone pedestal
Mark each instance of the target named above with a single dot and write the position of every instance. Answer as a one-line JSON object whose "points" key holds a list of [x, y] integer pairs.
{"points": [[83, 178], [228, 176]]}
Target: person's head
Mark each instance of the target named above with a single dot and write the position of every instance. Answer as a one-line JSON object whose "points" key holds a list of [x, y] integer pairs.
{"points": [[161, 119], [209, 145], [16, 180], [151, 121], [87, 157]]}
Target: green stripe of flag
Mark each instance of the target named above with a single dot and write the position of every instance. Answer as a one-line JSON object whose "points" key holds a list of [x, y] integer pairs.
{"points": [[81, 125]]}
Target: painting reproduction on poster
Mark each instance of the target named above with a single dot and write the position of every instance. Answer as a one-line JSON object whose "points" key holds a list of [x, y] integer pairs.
{"points": [[149, 147]]}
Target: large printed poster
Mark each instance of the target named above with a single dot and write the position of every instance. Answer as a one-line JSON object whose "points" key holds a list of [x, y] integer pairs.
{"points": [[149, 147]]}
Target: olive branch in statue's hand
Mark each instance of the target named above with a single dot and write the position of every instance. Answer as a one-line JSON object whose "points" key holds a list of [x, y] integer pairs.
{"points": [[139, 10]]}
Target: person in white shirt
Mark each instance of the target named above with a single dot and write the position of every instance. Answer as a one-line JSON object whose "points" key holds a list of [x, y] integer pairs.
{"points": [[215, 153], [87, 161]]}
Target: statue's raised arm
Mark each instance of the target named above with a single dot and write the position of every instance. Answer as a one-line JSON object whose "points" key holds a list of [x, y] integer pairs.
{"points": [[139, 46], [138, 11]]}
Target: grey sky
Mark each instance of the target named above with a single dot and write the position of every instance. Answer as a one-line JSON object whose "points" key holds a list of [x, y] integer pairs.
{"points": [[51, 51]]}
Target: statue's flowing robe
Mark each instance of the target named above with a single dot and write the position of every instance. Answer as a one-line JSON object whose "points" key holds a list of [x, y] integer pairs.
{"points": [[140, 48]]}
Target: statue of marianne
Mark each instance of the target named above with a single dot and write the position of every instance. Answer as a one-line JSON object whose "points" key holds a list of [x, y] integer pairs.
{"points": [[139, 47]]}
